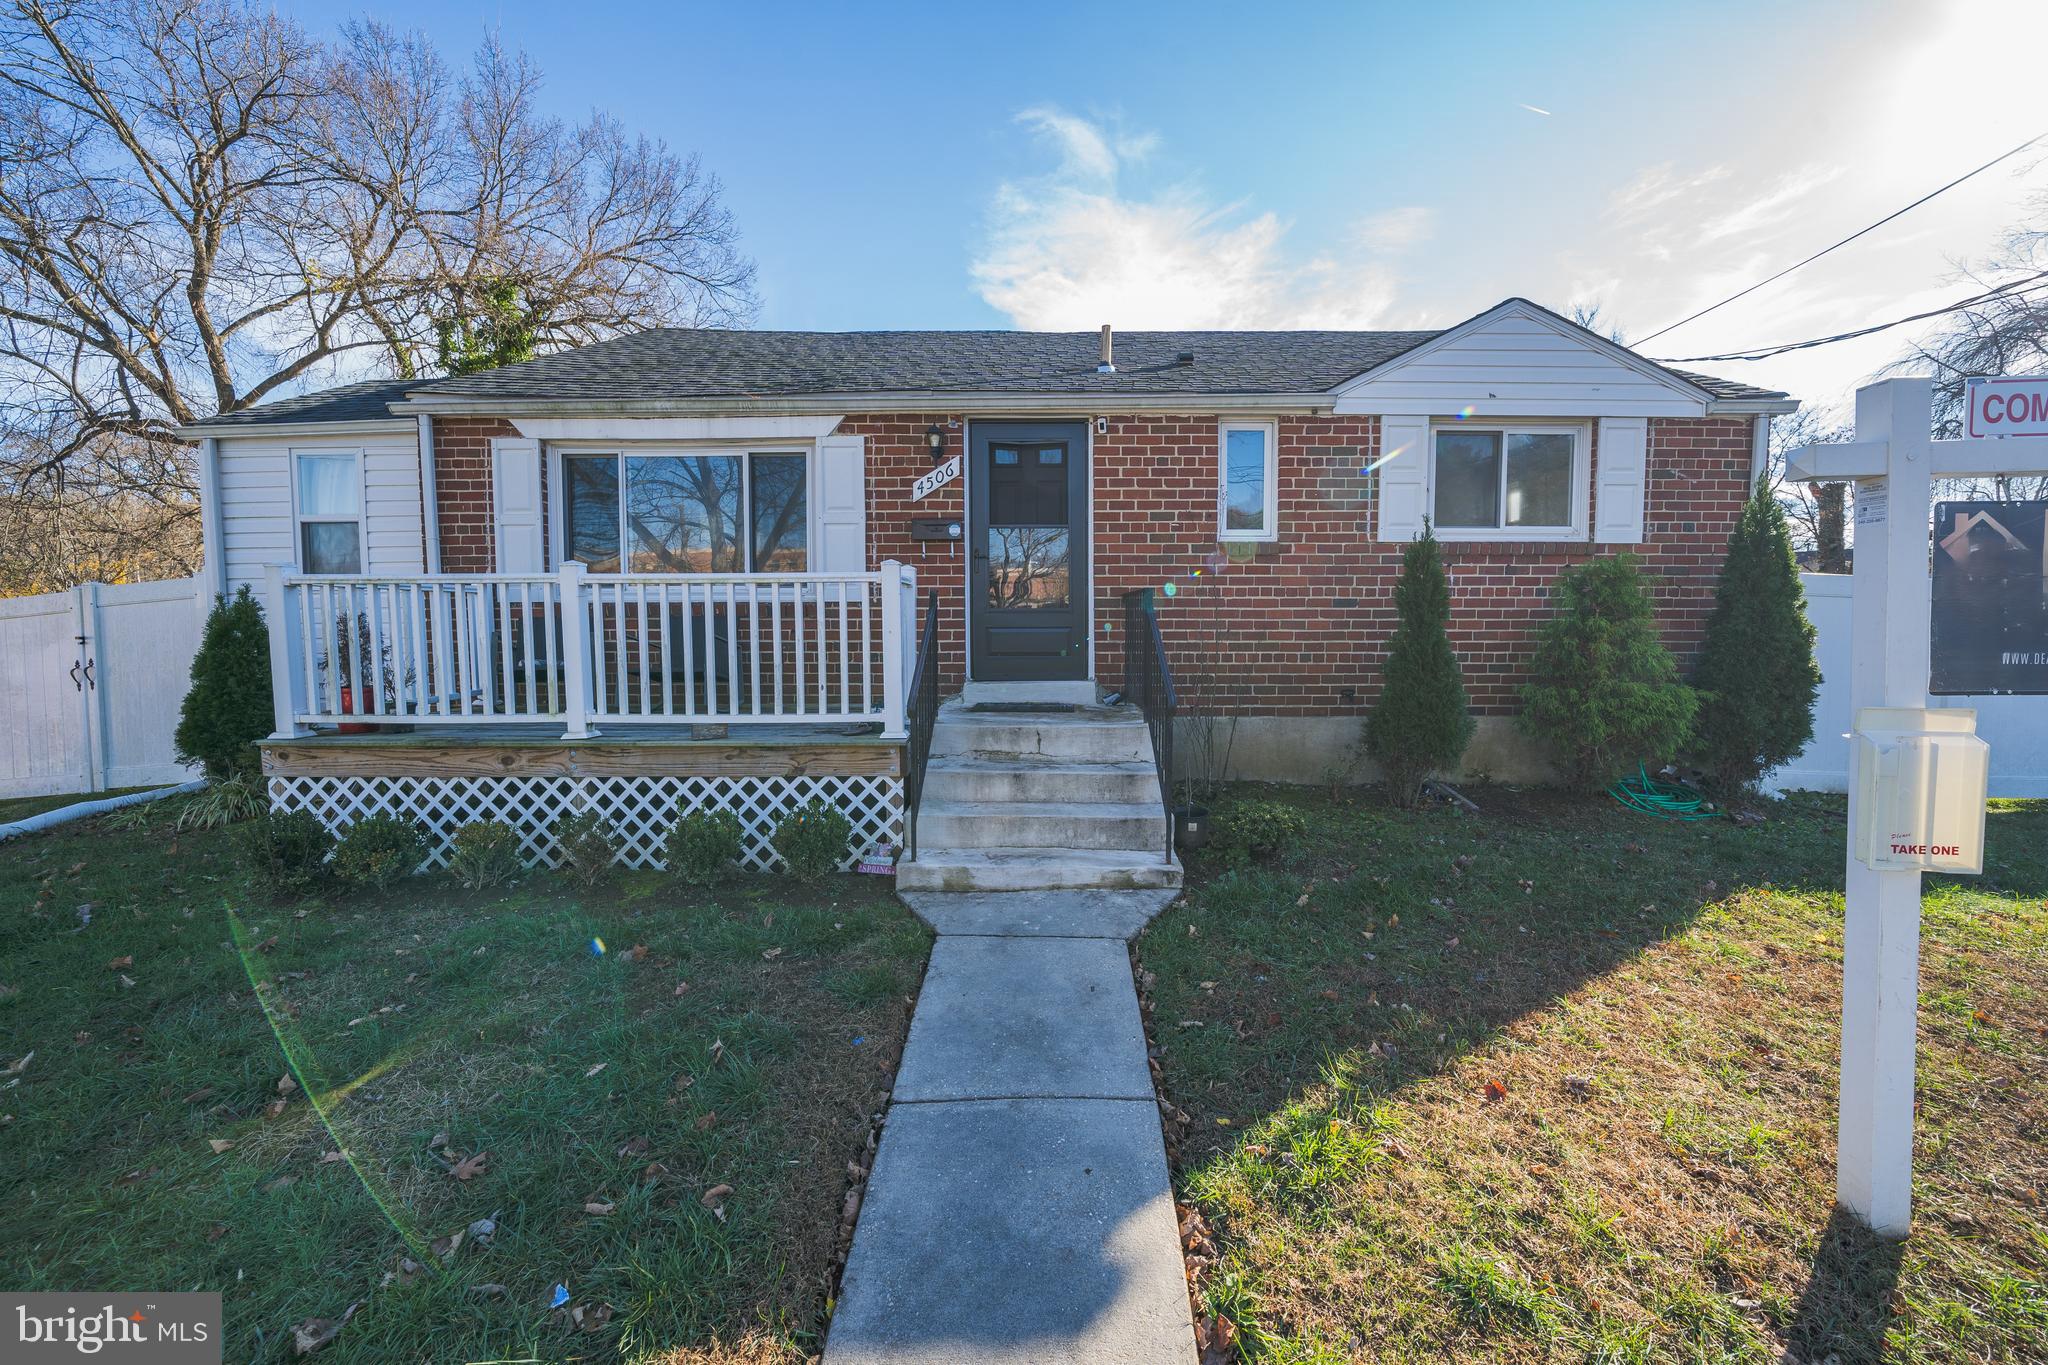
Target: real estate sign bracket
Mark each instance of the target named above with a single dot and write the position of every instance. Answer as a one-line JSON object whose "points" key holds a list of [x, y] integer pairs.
{"points": [[1894, 462]]}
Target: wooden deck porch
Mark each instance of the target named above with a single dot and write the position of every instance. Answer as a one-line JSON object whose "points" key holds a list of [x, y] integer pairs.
{"points": [[540, 750]]}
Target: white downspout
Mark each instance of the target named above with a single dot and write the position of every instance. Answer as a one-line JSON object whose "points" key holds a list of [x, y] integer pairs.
{"points": [[430, 503], [1760, 449], [213, 550]]}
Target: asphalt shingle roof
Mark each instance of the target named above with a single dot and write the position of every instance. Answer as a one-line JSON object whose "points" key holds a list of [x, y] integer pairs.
{"points": [[707, 363], [677, 363], [369, 400]]}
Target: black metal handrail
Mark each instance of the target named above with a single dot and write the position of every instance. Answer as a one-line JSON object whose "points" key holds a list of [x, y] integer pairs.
{"points": [[1148, 681], [919, 716]]}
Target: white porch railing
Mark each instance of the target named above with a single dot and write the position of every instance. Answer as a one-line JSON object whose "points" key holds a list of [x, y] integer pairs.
{"points": [[588, 649]]}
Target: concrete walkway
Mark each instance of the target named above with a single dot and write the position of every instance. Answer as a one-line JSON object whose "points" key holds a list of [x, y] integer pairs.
{"points": [[1019, 1209]]}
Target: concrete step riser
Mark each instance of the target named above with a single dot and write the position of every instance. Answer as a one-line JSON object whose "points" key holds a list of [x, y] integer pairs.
{"points": [[1026, 784], [1081, 743], [935, 874], [937, 831]]}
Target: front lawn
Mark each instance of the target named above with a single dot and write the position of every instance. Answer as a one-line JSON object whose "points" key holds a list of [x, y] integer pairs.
{"points": [[300, 1104], [1557, 1082]]}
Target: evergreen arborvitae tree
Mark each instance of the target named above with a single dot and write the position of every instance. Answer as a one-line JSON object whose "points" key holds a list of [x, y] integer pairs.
{"points": [[1422, 721], [229, 706], [1757, 678], [1605, 693]]}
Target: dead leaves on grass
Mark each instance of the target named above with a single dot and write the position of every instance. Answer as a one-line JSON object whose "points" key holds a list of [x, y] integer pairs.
{"points": [[469, 1167], [714, 1200], [310, 1335], [591, 1317]]}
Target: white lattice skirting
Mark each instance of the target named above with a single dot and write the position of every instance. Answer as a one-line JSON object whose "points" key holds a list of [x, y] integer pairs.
{"points": [[640, 809]]}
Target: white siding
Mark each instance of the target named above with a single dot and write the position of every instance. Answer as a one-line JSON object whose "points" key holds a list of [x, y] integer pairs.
{"points": [[256, 501], [1518, 364]]}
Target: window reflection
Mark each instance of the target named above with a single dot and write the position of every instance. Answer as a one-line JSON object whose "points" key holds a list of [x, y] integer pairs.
{"points": [[1244, 480], [1027, 567], [1539, 479], [592, 513], [1468, 478], [779, 513], [683, 514]]}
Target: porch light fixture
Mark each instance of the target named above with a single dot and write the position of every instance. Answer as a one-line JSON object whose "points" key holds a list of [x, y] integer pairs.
{"points": [[935, 441]]}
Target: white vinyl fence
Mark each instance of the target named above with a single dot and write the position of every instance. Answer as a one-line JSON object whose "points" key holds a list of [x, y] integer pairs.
{"points": [[90, 685], [2016, 728]]}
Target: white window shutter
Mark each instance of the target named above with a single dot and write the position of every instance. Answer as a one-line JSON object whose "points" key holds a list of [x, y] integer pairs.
{"points": [[515, 504], [1623, 479], [842, 485], [1404, 478]]}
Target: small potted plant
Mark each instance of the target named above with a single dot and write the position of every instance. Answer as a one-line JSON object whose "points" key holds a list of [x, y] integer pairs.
{"points": [[354, 672]]}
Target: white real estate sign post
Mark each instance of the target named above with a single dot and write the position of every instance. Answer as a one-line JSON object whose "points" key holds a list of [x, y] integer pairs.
{"points": [[1893, 462]]}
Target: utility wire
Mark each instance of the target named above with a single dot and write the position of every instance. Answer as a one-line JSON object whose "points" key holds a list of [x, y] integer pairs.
{"points": [[2003, 156], [2024, 285]]}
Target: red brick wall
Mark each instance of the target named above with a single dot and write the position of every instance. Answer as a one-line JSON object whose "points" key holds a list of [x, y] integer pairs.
{"points": [[462, 491], [1295, 627], [1298, 626], [896, 455]]}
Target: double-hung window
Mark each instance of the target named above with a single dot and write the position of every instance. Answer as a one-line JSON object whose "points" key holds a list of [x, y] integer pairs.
{"points": [[1510, 481], [328, 496], [1247, 482], [687, 511]]}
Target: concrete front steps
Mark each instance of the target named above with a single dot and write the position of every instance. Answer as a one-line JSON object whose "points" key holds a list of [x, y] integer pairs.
{"points": [[1029, 801]]}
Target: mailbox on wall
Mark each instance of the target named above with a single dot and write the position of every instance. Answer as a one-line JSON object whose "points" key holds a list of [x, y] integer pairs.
{"points": [[1920, 778], [935, 528]]}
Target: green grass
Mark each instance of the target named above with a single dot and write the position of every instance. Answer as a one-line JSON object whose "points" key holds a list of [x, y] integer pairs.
{"points": [[431, 1012], [1556, 1083]]}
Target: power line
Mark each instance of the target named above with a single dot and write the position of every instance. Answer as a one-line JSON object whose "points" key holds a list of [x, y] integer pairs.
{"points": [[2002, 156], [2025, 284]]}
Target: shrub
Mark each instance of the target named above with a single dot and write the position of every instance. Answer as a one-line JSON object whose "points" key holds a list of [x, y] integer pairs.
{"points": [[228, 707], [585, 848], [703, 845], [1605, 694], [484, 853], [811, 840], [287, 849], [1421, 723], [379, 852], [1256, 830], [1756, 676], [224, 801]]}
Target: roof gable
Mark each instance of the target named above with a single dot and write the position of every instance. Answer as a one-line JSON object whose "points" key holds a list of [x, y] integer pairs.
{"points": [[1518, 359]]}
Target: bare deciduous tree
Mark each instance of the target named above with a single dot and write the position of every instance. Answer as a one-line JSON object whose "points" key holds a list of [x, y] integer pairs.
{"points": [[201, 207], [1815, 510], [2007, 334]]}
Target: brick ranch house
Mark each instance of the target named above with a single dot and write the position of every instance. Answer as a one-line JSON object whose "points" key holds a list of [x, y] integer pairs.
{"points": [[684, 567]]}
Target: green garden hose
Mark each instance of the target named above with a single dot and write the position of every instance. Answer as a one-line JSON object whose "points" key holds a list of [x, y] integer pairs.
{"points": [[1664, 800]]}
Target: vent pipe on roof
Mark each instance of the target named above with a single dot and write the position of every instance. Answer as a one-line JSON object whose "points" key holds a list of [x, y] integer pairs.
{"points": [[1108, 362]]}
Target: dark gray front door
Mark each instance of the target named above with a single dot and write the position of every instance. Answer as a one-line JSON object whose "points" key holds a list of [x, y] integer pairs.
{"points": [[1028, 532]]}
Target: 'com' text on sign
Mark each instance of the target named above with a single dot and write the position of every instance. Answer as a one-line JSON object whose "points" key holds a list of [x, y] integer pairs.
{"points": [[2009, 405]]}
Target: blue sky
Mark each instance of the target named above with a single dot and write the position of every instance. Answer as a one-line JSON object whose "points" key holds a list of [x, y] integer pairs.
{"points": [[1335, 165]]}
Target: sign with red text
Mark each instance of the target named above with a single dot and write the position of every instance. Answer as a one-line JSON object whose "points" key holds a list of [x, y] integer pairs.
{"points": [[2008, 405]]}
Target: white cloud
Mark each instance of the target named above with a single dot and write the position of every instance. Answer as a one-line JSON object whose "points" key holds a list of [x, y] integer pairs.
{"points": [[1397, 229], [1770, 209], [1072, 249]]}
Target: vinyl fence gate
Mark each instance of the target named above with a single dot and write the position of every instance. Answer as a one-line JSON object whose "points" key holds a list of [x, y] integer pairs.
{"points": [[90, 684]]}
